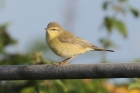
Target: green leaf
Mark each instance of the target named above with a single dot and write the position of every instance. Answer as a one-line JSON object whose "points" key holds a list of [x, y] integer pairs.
{"points": [[105, 5], [120, 26], [28, 90], [5, 37], [59, 82], [134, 85], [109, 23], [134, 11]]}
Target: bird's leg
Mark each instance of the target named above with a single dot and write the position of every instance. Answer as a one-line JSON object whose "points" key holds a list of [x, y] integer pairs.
{"points": [[64, 62]]}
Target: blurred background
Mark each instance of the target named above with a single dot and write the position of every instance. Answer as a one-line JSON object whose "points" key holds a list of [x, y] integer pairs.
{"points": [[112, 24]]}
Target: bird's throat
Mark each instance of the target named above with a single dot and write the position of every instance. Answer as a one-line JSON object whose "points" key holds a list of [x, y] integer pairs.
{"points": [[51, 35]]}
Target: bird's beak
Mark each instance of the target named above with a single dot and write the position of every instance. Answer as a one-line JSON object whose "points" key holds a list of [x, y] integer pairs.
{"points": [[45, 28]]}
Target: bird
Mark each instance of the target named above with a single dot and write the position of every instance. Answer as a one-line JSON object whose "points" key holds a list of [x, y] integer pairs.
{"points": [[65, 44]]}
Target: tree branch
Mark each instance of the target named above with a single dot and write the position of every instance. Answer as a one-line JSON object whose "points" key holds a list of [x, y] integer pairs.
{"points": [[75, 71]]}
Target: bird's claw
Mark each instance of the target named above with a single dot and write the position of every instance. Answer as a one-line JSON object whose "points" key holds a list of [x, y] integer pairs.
{"points": [[62, 63]]}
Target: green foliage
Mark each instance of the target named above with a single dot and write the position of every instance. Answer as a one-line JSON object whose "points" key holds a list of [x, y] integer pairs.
{"points": [[28, 90], [105, 4], [135, 85], [120, 26], [110, 23], [14, 59], [5, 38], [134, 11]]}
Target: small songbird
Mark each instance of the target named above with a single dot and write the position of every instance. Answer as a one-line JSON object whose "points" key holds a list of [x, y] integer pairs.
{"points": [[65, 44]]}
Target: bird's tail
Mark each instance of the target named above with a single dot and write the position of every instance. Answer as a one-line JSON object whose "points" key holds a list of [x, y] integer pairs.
{"points": [[102, 49]]}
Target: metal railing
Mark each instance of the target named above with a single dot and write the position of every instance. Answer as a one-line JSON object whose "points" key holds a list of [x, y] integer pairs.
{"points": [[73, 71]]}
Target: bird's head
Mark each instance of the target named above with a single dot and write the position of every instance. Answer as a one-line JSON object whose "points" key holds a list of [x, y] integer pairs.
{"points": [[53, 29]]}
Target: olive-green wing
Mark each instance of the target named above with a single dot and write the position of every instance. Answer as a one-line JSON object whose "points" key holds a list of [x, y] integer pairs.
{"points": [[67, 37]]}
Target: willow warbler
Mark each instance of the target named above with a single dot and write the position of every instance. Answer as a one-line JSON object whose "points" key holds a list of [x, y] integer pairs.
{"points": [[65, 44]]}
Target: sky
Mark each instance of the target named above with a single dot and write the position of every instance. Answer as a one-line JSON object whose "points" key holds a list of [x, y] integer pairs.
{"points": [[83, 18]]}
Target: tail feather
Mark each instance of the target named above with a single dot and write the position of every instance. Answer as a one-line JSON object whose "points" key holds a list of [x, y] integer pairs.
{"points": [[102, 49]]}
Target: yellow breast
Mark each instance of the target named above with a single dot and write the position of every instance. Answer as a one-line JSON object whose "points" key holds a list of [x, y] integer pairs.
{"points": [[65, 49]]}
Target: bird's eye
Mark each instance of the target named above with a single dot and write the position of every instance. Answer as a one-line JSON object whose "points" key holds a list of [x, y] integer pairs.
{"points": [[53, 29]]}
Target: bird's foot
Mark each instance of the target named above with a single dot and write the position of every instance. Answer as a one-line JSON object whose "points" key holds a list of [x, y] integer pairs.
{"points": [[62, 63]]}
